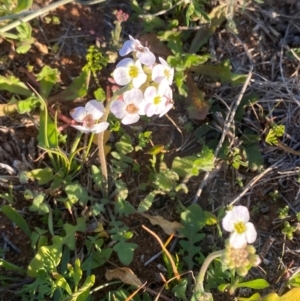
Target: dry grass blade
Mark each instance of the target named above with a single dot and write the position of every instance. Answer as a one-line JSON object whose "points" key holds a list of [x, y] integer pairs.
{"points": [[175, 271]]}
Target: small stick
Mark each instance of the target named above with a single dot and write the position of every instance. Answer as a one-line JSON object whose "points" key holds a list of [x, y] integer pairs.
{"points": [[252, 182], [9, 243], [229, 120]]}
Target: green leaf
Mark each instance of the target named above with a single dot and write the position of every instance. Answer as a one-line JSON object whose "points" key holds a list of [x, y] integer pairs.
{"points": [[48, 136], [124, 146], [23, 5], [193, 219], [14, 85], [100, 94], [83, 293], [254, 297], [39, 205], [77, 275], [42, 175], [210, 218], [217, 16], [17, 218], [24, 30], [125, 251], [146, 203], [24, 46], [61, 282], [78, 89], [10, 267], [48, 77], [123, 207], [191, 165], [70, 230], [47, 258], [179, 290], [96, 259], [254, 157], [96, 175], [222, 287], [27, 105], [255, 284], [76, 192], [293, 294], [221, 72], [166, 180]]}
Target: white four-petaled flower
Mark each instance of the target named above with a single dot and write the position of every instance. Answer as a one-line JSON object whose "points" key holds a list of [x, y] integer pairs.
{"points": [[145, 56], [237, 222], [88, 117], [128, 71], [157, 100], [130, 108], [162, 71]]}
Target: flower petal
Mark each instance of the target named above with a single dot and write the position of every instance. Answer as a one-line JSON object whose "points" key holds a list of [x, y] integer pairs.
{"points": [[228, 222], [78, 114], [146, 57], [127, 62], [168, 107], [133, 96], [241, 213], [121, 76], [118, 108], [95, 109], [130, 118], [99, 127], [237, 241], [251, 233], [127, 47], [81, 128], [162, 88], [158, 73], [138, 81], [150, 110], [150, 93]]}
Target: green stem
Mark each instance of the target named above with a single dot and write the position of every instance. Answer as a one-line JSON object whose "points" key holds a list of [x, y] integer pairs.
{"points": [[34, 15], [199, 288]]}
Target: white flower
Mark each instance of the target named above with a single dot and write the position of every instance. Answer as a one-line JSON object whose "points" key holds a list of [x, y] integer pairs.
{"points": [[236, 221], [128, 70], [142, 53], [157, 99], [163, 71], [88, 116], [169, 103], [130, 108]]}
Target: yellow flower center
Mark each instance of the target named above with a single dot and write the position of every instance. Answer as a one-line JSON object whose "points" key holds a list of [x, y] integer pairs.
{"points": [[167, 73], [240, 227], [156, 100], [133, 71], [131, 108]]}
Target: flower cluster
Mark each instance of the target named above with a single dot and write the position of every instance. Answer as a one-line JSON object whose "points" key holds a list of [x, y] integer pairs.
{"points": [[236, 221], [149, 92], [240, 259]]}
